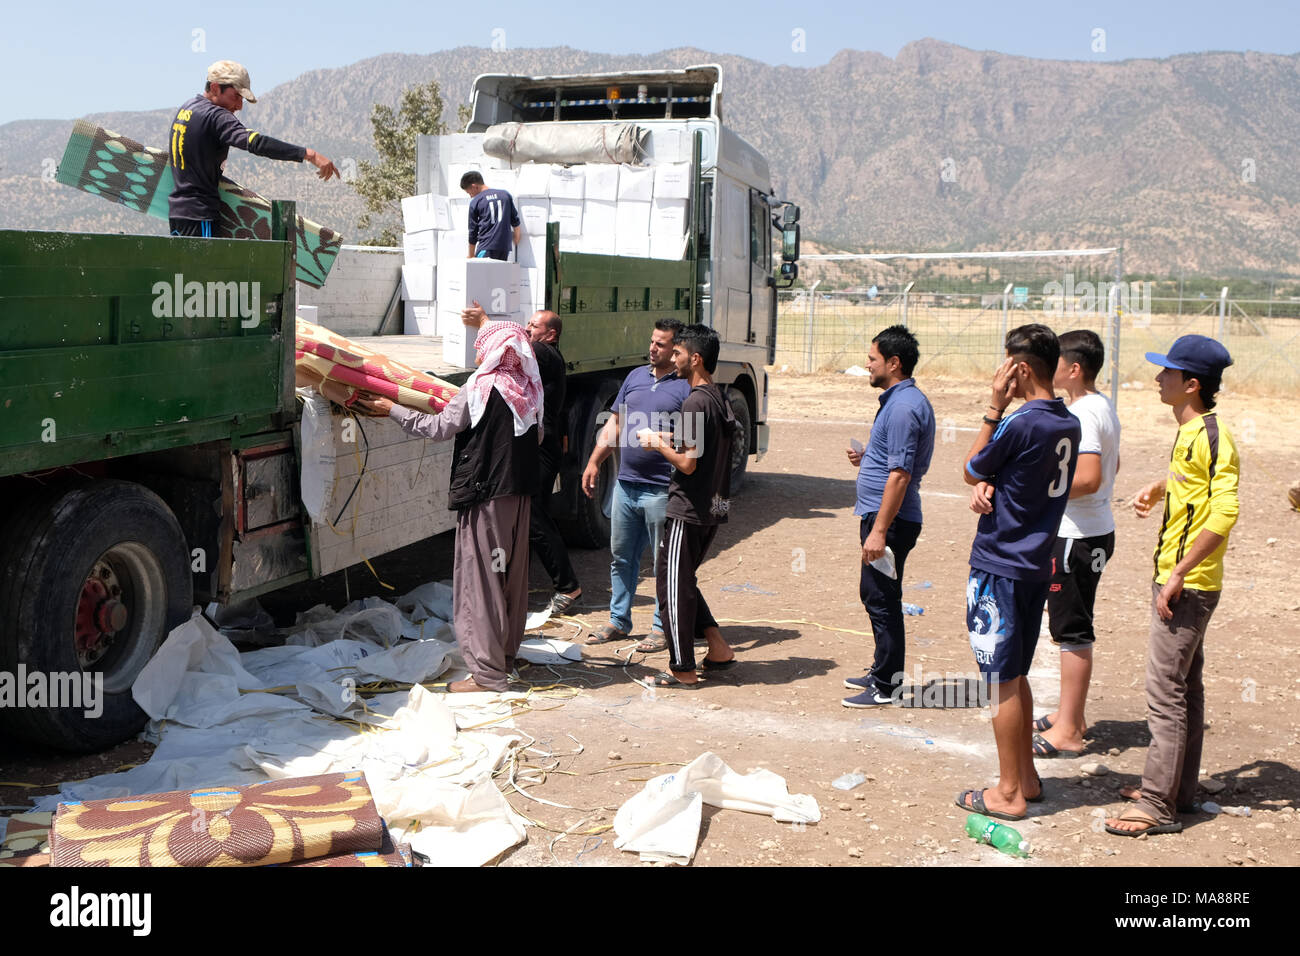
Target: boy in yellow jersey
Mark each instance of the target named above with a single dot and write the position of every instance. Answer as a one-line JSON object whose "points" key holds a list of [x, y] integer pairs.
{"points": [[1200, 495]]}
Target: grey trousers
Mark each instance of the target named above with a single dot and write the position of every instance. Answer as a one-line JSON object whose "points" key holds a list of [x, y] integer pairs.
{"points": [[490, 586], [1175, 702]]}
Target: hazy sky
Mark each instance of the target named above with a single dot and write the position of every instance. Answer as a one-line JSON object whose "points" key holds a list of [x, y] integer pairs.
{"points": [[80, 57]]}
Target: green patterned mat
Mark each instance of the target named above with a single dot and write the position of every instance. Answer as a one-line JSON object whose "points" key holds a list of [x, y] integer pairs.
{"points": [[139, 177]]}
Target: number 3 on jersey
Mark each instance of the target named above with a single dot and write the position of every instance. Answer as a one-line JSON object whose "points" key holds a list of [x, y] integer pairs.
{"points": [[1062, 482]]}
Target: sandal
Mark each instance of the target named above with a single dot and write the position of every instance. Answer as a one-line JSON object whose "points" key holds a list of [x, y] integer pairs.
{"points": [[1135, 815], [606, 634], [709, 665], [1043, 748], [1042, 723], [665, 679], [653, 644], [563, 603], [977, 805]]}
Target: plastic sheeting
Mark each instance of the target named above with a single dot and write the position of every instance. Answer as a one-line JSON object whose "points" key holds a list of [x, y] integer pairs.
{"points": [[567, 142], [662, 822], [222, 718]]}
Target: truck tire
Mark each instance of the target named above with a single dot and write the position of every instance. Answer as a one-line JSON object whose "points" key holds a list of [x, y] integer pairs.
{"points": [[92, 579], [586, 526], [740, 448]]}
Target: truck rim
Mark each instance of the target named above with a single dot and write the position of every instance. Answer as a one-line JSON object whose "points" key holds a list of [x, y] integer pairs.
{"points": [[121, 608]]}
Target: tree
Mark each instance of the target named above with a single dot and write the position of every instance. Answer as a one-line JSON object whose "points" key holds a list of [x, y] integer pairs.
{"points": [[384, 184]]}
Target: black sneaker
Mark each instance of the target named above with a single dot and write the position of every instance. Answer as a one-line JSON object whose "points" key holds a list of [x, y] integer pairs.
{"points": [[868, 698], [860, 683]]}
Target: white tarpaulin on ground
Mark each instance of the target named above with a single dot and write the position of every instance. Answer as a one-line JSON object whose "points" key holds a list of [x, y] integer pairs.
{"points": [[662, 822], [222, 718]]}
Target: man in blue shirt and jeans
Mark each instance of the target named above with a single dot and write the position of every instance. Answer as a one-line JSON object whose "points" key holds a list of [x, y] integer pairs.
{"points": [[890, 470], [1023, 463], [651, 397]]}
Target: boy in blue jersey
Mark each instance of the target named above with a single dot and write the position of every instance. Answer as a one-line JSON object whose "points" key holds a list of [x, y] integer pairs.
{"points": [[1023, 464], [493, 219]]}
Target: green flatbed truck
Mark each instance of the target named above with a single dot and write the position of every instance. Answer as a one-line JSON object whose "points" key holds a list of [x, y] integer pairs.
{"points": [[150, 445]]}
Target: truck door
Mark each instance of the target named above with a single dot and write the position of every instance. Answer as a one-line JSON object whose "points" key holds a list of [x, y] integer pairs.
{"points": [[760, 265], [732, 284]]}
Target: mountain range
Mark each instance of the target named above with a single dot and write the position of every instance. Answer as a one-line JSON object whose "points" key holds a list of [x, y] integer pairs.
{"points": [[1187, 162]]}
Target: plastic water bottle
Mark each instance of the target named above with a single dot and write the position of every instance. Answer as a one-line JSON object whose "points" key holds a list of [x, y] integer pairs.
{"points": [[848, 781], [997, 835], [912, 608]]}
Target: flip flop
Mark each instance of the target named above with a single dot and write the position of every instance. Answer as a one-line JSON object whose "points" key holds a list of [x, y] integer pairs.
{"points": [[1042, 723], [1134, 815], [1042, 748], [665, 679], [563, 604], [977, 805], [1181, 808], [606, 634], [653, 644], [709, 665]]}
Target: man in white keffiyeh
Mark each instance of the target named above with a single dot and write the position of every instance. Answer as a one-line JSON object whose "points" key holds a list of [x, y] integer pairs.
{"points": [[495, 420]]}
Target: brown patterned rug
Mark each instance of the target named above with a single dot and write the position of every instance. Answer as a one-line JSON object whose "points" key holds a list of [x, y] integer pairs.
{"points": [[279, 821]]}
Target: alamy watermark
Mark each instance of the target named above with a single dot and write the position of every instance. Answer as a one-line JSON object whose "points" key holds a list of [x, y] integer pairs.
{"points": [[200, 300], [687, 430], [1088, 298], [59, 689]]}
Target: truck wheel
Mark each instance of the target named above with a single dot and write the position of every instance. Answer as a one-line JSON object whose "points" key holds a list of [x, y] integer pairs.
{"points": [[587, 526], [92, 579], [740, 448]]}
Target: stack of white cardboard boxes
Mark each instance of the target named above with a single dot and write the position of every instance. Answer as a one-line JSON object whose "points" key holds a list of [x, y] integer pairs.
{"points": [[601, 209]]}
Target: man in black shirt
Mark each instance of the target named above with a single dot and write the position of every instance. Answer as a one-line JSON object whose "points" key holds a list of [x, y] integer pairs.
{"points": [[544, 330], [201, 134], [699, 498], [493, 219]]}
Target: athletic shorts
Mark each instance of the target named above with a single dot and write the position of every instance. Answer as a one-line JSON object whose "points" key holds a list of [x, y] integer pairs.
{"points": [[1003, 617], [1077, 564]]}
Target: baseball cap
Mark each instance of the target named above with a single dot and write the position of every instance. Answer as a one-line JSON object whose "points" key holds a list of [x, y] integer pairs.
{"points": [[1197, 354], [229, 72]]}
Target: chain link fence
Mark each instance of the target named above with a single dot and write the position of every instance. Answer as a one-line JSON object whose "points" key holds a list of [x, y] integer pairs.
{"points": [[961, 320]]}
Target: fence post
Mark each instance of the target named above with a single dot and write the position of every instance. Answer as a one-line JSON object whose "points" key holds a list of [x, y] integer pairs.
{"points": [[906, 290], [1116, 320], [1223, 311], [808, 333], [1005, 293]]}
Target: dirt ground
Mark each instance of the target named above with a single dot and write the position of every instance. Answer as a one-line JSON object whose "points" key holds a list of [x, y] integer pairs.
{"points": [[783, 582]]}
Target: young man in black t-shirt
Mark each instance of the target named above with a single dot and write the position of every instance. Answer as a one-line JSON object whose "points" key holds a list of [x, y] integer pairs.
{"points": [[699, 497]]}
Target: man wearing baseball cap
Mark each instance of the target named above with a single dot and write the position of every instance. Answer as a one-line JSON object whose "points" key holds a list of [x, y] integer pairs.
{"points": [[201, 134], [1200, 495]]}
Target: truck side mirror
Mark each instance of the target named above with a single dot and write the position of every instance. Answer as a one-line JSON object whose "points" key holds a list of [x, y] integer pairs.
{"points": [[790, 242], [789, 272]]}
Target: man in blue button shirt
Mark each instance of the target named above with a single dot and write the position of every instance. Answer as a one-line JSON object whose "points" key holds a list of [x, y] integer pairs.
{"points": [[890, 470]]}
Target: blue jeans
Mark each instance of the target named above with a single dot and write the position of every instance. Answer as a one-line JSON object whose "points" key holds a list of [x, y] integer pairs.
{"points": [[636, 519]]}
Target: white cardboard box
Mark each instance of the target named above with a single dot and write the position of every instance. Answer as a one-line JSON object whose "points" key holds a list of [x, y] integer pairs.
{"points": [[668, 217], [459, 207], [417, 213], [500, 179], [568, 213], [571, 244], [455, 171], [633, 219], [441, 207], [419, 280], [421, 247], [494, 285], [534, 180], [532, 290], [533, 215], [599, 220], [458, 338], [600, 244], [636, 183], [667, 247], [673, 181], [670, 145], [567, 182], [307, 313], [602, 182], [420, 318], [636, 244], [531, 252]]}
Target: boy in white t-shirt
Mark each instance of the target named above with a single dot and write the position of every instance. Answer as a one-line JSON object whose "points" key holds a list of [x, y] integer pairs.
{"points": [[1084, 543]]}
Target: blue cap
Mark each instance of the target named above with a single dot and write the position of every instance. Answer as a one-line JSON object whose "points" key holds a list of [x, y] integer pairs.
{"points": [[1197, 354]]}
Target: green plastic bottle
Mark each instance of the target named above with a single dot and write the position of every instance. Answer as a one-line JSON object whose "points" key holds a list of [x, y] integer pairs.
{"points": [[997, 835]]}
